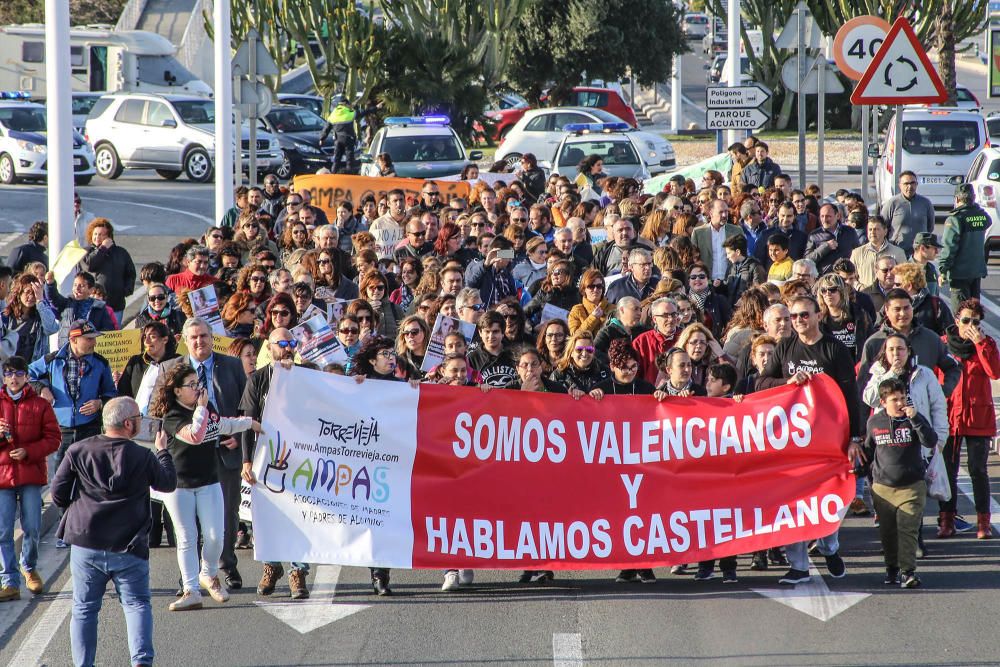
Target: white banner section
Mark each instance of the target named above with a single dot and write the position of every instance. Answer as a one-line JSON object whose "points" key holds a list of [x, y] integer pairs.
{"points": [[333, 471]]}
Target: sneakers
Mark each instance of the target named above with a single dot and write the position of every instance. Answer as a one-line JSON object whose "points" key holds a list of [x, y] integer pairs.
{"points": [[729, 577], [234, 580], [268, 580], [525, 577], [626, 576], [541, 576], [777, 556], [679, 569], [759, 562], [794, 576], [60, 544], [10, 593], [33, 581], [891, 576], [909, 580], [465, 577], [380, 584], [858, 507], [215, 589], [835, 564], [450, 581], [647, 576], [705, 573], [962, 526], [297, 582], [187, 602]]}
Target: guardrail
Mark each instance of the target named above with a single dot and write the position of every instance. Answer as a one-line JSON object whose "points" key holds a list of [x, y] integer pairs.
{"points": [[194, 37], [131, 14]]}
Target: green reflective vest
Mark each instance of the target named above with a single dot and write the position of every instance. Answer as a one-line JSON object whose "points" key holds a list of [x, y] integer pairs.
{"points": [[341, 114]]}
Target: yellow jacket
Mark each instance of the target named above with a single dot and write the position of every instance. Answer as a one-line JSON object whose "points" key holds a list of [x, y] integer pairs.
{"points": [[581, 316]]}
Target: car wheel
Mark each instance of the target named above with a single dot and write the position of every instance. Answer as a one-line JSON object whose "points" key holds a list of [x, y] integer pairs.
{"points": [[512, 160], [107, 163], [169, 174], [198, 166], [284, 171], [8, 176], [83, 180]]}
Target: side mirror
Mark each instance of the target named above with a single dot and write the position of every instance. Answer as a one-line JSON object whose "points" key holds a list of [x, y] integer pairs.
{"points": [[873, 151], [168, 122], [956, 180], [366, 158], [476, 155]]}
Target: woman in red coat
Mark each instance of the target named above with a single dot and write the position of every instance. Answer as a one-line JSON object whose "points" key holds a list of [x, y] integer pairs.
{"points": [[970, 413], [29, 432]]}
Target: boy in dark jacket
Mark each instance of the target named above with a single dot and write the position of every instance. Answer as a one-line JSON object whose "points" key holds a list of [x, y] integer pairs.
{"points": [[895, 437]]}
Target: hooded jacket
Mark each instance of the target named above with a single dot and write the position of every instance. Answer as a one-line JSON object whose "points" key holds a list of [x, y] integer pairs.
{"points": [[34, 428]]}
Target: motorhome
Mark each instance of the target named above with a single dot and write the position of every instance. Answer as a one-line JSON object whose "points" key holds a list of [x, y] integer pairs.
{"points": [[102, 60]]}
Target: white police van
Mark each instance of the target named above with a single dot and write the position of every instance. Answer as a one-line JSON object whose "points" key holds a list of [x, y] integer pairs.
{"points": [[609, 141], [24, 142], [420, 147]]}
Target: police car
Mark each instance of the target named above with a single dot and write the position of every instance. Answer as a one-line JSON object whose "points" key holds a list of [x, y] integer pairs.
{"points": [[420, 147], [609, 141], [24, 145], [984, 175]]}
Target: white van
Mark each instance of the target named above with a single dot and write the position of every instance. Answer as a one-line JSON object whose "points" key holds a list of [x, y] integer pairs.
{"points": [[101, 60], [938, 143]]}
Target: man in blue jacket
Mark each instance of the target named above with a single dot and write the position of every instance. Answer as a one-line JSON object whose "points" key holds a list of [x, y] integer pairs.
{"points": [[77, 381], [79, 305]]}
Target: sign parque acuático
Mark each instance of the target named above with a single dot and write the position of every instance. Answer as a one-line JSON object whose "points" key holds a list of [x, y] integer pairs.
{"points": [[382, 474], [736, 108]]}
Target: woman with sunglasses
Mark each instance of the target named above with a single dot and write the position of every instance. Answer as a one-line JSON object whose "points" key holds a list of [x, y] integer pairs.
{"points": [[515, 331], [411, 345], [252, 280], [349, 334], [294, 241], [251, 237], [578, 369], [366, 317], [411, 270], [29, 432], [279, 312], [594, 309], [714, 308], [377, 360], [189, 423], [557, 290], [551, 343], [840, 316], [375, 290], [27, 321]]}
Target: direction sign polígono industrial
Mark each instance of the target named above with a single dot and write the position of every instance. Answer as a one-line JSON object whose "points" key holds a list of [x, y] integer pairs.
{"points": [[737, 97], [735, 119]]}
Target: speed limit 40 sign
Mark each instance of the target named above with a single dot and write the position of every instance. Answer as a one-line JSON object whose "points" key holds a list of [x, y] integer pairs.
{"points": [[856, 44]]}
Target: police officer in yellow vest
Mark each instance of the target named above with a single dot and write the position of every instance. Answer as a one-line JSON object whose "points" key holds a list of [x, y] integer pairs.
{"points": [[963, 259], [340, 122]]}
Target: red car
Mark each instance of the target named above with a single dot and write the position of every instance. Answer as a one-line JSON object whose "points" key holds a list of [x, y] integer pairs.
{"points": [[600, 98], [508, 109]]}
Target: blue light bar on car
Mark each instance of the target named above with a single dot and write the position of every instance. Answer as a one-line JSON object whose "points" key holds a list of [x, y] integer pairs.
{"points": [[583, 128], [15, 95], [418, 120]]}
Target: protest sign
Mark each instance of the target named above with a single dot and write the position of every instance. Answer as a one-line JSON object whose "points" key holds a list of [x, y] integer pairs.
{"points": [[443, 326], [118, 347], [318, 343], [335, 310], [383, 474], [205, 304], [551, 312], [328, 190], [220, 345]]}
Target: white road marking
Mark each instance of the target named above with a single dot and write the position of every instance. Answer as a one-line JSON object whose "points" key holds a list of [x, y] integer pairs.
{"points": [[122, 202], [814, 597], [567, 649], [965, 486], [320, 609]]}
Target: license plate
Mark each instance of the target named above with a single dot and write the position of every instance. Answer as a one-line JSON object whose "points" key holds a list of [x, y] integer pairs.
{"points": [[934, 180], [77, 161]]}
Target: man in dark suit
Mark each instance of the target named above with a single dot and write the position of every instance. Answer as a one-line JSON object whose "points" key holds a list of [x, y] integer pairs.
{"points": [[225, 380]]}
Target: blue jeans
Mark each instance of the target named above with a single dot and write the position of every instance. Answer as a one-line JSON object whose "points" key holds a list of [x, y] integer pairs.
{"points": [[26, 500], [91, 570], [798, 553]]}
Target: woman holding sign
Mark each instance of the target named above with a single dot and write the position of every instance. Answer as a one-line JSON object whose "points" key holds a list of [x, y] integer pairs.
{"points": [[193, 429]]}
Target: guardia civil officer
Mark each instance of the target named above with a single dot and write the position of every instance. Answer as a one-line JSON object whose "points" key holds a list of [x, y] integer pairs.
{"points": [[962, 260]]}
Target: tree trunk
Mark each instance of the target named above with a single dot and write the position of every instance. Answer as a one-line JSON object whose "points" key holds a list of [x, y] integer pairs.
{"points": [[944, 28]]}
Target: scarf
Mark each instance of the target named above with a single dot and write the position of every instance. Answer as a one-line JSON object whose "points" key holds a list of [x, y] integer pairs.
{"points": [[538, 266], [699, 298], [164, 314], [958, 346]]}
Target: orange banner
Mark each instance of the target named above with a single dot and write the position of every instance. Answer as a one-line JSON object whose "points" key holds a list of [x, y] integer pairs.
{"points": [[328, 190]]}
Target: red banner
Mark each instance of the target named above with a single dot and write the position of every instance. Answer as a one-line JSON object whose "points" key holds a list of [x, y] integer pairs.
{"points": [[525, 480]]}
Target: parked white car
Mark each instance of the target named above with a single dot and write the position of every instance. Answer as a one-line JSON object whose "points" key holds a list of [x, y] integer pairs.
{"points": [[984, 174], [24, 143], [541, 130], [938, 144]]}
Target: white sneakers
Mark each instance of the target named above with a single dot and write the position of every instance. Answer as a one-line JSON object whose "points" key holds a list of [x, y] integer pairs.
{"points": [[214, 588], [190, 600], [453, 579]]}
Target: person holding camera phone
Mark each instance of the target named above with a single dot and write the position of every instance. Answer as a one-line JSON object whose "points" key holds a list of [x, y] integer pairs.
{"points": [[29, 432], [193, 426], [492, 276]]}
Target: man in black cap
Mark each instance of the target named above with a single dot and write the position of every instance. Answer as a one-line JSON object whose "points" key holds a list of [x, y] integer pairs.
{"points": [[926, 248], [963, 262]]}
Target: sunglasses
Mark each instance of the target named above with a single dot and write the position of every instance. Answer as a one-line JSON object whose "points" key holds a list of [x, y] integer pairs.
{"points": [[324, 262], [349, 330], [970, 320], [282, 313], [157, 297], [829, 290], [286, 344], [258, 279], [420, 234], [801, 315], [365, 318], [475, 306], [412, 332], [596, 286], [584, 348], [698, 276], [518, 219], [215, 236]]}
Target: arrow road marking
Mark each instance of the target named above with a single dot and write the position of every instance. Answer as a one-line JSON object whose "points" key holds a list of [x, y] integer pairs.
{"points": [[814, 597], [320, 609]]}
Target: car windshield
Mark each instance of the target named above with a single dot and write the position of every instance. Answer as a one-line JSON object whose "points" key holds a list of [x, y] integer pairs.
{"points": [[697, 20], [613, 153], [295, 120], [604, 116], [964, 95], [196, 112], [83, 104], [993, 127], [940, 137], [23, 120], [437, 148]]}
